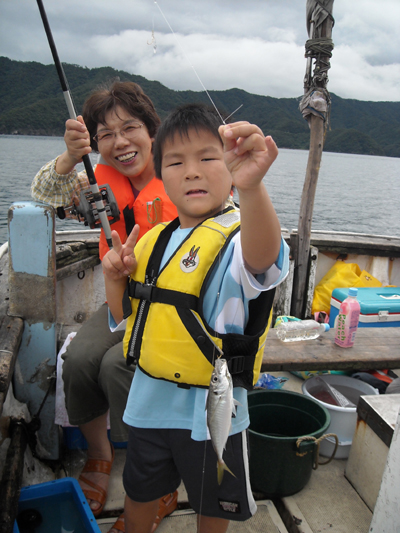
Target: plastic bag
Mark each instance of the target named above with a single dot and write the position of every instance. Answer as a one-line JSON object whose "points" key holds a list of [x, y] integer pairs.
{"points": [[341, 275], [286, 318], [266, 381]]}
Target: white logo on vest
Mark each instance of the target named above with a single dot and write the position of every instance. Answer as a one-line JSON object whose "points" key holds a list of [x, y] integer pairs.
{"points": [[190, 261]]}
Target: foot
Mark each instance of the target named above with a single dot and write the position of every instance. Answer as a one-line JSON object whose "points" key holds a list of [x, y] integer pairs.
{"points": [[94, 480], [119, 526], [166, 506]]}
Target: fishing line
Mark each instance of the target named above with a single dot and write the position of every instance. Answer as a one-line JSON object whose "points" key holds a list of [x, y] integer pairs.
{"points": [[188, 60], [211, 100]]}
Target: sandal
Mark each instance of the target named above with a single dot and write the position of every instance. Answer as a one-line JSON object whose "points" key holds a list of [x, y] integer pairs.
{"points": [[98, 494], [166, 506], [120, 524]]}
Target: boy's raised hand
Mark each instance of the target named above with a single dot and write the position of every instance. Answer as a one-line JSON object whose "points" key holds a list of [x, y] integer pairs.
{"points": [[248, 153], [120, 261]]}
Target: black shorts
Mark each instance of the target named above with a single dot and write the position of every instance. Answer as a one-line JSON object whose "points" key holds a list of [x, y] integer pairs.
{"points": [[157, 460]]}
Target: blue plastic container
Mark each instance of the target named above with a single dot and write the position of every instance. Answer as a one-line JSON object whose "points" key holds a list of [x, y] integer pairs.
{"points": [[380, 306], [74, 439], [61, 503]]}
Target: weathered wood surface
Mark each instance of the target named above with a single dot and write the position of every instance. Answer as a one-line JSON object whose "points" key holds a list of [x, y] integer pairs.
{"points": [[355, 243], [11, 329], [11, 480], [301, 242], [75, 253], [374, 348], [75, 268]]}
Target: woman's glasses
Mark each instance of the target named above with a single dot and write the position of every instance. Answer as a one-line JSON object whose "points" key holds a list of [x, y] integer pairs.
{"points": [[130, 131]]}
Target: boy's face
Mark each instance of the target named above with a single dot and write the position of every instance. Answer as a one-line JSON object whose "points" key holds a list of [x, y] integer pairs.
{"points": [[195, 176]]}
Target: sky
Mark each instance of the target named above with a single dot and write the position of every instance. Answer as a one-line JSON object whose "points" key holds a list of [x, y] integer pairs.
{"points": [[254, 45]]}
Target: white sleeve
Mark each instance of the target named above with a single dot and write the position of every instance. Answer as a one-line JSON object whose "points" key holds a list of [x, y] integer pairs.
{"points": [[254, 283]]}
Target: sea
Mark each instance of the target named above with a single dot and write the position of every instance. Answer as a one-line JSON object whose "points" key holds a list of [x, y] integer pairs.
{"points": [[355, 193]]}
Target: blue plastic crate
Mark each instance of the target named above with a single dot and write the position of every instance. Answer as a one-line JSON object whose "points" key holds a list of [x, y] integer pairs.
{"points": [[379, 307], [64, 500]]}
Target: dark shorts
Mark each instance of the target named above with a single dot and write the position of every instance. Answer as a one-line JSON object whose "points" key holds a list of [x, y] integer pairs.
{"points": [[157, 460]]}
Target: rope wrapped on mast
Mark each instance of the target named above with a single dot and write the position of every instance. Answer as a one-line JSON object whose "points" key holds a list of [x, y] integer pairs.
{"points": [[316, 100], [320, 49]]}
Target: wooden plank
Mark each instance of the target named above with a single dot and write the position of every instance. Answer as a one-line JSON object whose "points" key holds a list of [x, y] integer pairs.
{"points": [[386, 513], [374, 348], [355, 243], [11, 481], [75, 268], [11, 329], [311, 280]]}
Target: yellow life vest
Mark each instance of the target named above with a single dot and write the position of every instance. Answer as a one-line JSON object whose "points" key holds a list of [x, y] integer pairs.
{"points": [[167, 335]]}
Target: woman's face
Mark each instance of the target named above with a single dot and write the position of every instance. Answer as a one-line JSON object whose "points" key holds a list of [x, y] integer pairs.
{"points": [[129, 152]]}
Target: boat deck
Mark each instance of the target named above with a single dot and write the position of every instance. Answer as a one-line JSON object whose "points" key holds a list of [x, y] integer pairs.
{"points": [[327, 503]]}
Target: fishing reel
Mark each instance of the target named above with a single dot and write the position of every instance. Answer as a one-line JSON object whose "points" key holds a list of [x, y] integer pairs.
{"points": [[85, 210]]}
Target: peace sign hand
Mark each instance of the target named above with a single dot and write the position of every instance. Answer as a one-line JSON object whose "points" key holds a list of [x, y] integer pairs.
{"points": [[120, 261]]}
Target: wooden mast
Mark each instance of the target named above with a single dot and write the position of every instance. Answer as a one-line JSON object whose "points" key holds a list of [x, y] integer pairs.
{"points": [[319, 46]]}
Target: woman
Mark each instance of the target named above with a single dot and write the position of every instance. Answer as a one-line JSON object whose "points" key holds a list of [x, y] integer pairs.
{"points": [[119, 122]]}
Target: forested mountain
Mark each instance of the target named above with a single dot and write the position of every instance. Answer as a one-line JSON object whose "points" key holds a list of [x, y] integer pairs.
{"points": [[31, 103]]}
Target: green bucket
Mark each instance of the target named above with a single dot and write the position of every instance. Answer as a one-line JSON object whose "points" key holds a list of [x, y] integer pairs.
{"points": [[280, 463]]}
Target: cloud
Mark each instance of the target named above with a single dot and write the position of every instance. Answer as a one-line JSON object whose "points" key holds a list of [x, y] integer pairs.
{"points": [[368, 82], [256, 46]]}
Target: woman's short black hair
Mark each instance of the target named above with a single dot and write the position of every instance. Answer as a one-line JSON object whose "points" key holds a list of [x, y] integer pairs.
{"points": [[125, 94], [183, 119]]}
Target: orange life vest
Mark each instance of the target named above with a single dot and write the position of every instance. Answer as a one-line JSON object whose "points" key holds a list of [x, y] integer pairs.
{"points": [[151, 206]]}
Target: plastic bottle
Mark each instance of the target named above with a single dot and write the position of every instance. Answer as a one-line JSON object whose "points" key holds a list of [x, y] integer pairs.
{"points": [[347, 320], [300, 330]]}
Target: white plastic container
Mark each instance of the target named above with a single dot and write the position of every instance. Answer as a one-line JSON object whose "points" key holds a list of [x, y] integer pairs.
{"points": [[343, 419]]}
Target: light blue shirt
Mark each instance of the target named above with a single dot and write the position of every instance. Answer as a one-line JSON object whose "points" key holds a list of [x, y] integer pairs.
{"points": [[155, 403]]}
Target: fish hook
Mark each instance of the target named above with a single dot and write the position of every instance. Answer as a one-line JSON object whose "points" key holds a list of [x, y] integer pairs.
{"points": [[153, 41]]}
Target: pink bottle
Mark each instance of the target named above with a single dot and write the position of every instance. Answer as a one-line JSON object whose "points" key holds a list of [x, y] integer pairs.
{"points": [[347, 320]]}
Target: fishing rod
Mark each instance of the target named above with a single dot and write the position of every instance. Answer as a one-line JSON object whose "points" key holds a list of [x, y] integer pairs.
{"points": [[97, 196]]}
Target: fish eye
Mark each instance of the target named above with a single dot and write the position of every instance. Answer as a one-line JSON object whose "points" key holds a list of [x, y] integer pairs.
{"points": [[214, 379]]}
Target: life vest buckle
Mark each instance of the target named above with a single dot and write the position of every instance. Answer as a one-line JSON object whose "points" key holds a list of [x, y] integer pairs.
{"points": [[143, 291], [236, 364]]}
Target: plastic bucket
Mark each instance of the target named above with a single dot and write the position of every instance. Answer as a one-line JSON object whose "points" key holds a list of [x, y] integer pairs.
{"points": [[280, 463], [343, 419]]}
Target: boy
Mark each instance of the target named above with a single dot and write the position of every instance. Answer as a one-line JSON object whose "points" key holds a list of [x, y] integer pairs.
{"points": [[198, 289]]}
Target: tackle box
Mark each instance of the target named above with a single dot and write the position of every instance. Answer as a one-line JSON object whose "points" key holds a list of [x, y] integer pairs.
{"points": [[379, 306]]}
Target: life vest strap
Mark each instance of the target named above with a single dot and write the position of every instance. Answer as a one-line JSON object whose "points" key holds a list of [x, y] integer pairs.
{"points": [[151, 293]]}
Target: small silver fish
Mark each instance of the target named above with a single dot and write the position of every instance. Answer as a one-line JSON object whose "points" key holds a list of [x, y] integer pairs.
{"points": [[220, 408]]}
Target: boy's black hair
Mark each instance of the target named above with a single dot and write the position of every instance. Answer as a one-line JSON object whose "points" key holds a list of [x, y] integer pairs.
{"points": [[183, 119]]}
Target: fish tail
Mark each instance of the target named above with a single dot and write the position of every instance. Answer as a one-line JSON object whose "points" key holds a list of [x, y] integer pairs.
{"points": [[221, 466]]}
